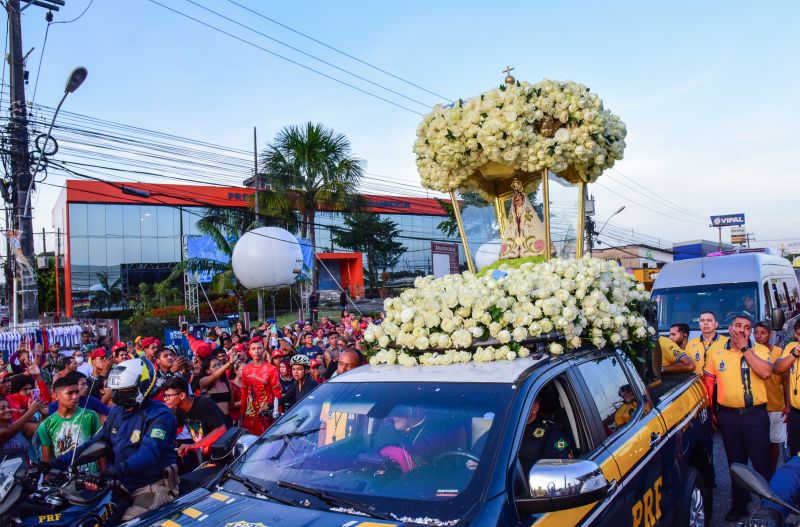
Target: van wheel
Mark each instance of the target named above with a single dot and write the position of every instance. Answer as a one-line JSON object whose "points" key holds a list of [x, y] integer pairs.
{"points": [[693, 510]]}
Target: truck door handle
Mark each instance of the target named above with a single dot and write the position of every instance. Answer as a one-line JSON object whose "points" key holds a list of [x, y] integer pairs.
{"points": [[655, 438]]}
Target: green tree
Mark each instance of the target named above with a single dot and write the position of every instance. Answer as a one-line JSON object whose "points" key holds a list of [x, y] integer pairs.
{"points": [[311, 167], [366, 232], [46, 284], [225, 227], [108, 294]]}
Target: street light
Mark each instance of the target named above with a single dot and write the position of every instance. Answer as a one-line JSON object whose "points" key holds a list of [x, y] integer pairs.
{"points": [[76, 78], [609, 219]]}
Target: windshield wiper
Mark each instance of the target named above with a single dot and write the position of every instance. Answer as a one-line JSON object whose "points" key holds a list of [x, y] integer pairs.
{"points": [[257, 488], [331, 499], [288, 436]]}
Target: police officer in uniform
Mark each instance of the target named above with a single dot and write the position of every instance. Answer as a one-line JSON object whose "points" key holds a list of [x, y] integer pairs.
{"points": [[542, 439], [709, 340], [739, 371]]}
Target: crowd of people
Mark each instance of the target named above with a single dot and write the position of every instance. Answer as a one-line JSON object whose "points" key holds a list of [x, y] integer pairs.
{"points": [[53, 402]]}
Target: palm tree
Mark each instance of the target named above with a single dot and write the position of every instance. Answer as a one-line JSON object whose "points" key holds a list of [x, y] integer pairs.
{"points": [[311, 168], [225, 227], [105, 295]]}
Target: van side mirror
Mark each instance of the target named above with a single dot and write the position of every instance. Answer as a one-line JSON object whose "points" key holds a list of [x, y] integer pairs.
{"points": [[778, 318], [225, 445], [559, 484]]}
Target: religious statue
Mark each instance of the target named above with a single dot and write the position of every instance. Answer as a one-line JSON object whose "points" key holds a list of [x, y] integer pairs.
{"points": [[524, 235]]}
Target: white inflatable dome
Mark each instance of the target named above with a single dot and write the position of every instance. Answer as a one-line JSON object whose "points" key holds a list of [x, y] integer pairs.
{"points": [[487, 254], [266, 258]]}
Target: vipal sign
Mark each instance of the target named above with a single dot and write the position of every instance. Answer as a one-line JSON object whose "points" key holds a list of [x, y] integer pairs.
{"points": [[727, 220]]}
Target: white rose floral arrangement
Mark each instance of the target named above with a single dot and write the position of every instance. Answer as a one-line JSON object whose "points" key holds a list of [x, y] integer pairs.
{"points": [[559, 126], [463, 317]]}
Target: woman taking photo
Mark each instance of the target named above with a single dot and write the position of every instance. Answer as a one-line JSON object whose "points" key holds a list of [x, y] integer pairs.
{"points": [[214, 383]]}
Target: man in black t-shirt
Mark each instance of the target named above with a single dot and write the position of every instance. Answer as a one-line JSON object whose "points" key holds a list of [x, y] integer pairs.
{"points": [[200, 415]]}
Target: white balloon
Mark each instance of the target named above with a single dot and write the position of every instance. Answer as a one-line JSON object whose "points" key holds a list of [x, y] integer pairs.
{"points": [[487, 254], [267, 257]]}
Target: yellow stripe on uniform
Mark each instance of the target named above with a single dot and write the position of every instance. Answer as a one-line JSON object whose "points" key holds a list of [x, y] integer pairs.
{"points": [[170, 523], [374, 524]]}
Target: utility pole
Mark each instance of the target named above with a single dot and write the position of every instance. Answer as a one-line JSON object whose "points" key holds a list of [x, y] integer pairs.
{"points": [[256, 178], [20, 163]]}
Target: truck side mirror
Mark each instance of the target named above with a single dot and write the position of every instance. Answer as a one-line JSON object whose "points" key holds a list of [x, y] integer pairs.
{"points": [[778, 318], [558, 484]]}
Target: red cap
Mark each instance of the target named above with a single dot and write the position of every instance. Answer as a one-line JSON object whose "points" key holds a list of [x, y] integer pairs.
{"points": [[278, 353], [97, 353], [118, 346], [240, 347], [149, 341], [203, 349], [254, 340], [314, 363]]}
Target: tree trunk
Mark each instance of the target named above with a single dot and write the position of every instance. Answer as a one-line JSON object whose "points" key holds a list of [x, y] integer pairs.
{"points": [[240, 295]]}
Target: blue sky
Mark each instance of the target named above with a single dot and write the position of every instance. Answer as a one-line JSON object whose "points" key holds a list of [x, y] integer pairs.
{"points": [[707, 90]]}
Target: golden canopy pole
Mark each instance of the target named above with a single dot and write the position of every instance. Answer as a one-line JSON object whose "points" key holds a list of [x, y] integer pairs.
{"points": [[546, 203], [461, 232], [581, 219], [499, 211]]}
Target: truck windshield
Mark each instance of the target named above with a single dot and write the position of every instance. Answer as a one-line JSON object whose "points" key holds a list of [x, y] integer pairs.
{"points": [[684, 304], [409, 450]]}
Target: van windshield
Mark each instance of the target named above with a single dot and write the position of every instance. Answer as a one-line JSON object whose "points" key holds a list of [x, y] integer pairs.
{"points": [[410, 450], [684, 304]]}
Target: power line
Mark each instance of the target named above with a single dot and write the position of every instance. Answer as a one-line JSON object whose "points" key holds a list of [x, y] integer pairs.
{"points": [[77, 17], [652, 195], [287, 59], [298, 50], [41, 57], [340, 51], [646, 207]]}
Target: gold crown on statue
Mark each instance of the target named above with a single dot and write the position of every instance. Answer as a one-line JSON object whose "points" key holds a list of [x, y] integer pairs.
{"points": [[516, 186]]}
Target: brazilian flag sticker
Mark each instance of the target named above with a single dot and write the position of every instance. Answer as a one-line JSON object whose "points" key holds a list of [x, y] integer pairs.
{"points": [[158, 433]]}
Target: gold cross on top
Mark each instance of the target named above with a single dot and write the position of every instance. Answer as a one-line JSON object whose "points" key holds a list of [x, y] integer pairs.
{"points": [[508, 70]]}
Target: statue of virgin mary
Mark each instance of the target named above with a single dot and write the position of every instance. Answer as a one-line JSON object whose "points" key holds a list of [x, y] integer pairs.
{"points": [[524, 235]]}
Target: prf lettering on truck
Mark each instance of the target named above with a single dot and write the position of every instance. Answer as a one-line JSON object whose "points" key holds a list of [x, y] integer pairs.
{"points": [[647, 511]]}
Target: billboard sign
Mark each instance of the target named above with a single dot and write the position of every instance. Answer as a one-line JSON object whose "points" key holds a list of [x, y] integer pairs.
{"points": [[444, 258], [727, 220], [203, 246]]}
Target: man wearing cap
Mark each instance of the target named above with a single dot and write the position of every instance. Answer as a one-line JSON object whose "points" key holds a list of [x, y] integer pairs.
{"points": [[51, 363], [150, 345], [201, 348], [101, 365], [119, 352]]}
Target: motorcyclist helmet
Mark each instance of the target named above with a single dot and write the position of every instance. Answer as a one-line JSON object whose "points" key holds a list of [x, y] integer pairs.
{"points": [[301, 360], [132, 382]]}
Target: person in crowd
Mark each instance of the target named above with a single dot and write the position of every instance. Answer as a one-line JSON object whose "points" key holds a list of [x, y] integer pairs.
{"points": [[313, 305], [101, 366], [141, 433], [236, 392], [70, 425], [315, 370], [137, 346], [15, 434], [222, 355], [309, 349], [66, 366], [778, 403], [23, 359], [240, 329], [260, 386], [698, 348], [200, 348], [739, 371], [302, 385], [227, 345], [409, 439], [199, 414], [331, 355], [215, 385], [673, 355], [26, 389], [348, 360], [86, 340], [83, 365], [5, 369], [87, 401], [787, 365], [119, 352], [150, 345], [342, 301], [273, 339], [286, 346], [277, 357], [285, 374], [319, 339], [52, 363], [167, 366]]}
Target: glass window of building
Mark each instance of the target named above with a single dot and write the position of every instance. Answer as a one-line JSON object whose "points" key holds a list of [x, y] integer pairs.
{"points": [[149, 220], [97, 251], [96, 218], [131, 221], [77, 219]]}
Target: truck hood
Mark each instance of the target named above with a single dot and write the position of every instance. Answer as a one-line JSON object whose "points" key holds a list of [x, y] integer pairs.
{"points": [[202, 508]]}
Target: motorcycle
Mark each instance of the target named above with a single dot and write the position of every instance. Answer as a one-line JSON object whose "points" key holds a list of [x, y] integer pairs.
{"points": [[754, 482], [40, 495]]}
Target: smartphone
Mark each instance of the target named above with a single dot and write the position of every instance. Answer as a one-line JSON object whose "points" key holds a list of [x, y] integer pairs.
{"points": [[35, 393]]}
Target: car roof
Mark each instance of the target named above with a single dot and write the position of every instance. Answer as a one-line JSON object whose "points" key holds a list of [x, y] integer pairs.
{"points": [[476, 372], [733, 268]]}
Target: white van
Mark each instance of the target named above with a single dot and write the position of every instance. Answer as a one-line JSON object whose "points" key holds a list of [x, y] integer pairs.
{"points": [[756, 282]]}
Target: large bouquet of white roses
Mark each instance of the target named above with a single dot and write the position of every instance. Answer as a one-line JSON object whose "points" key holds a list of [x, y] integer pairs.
{"points": [[559, 126], [464, 317]]}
